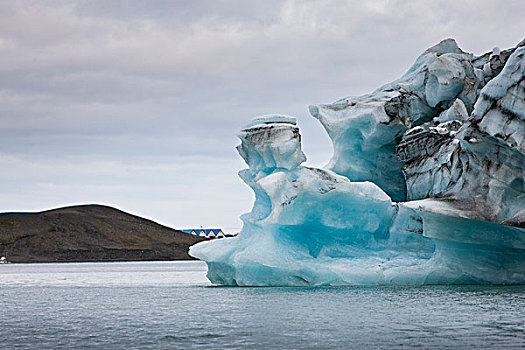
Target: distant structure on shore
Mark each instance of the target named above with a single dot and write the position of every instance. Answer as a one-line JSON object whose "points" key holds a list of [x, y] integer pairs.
{"points": [[208, 233]]}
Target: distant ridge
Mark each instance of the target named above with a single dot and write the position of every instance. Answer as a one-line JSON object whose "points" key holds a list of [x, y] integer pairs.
{"points": [[89, 233]]}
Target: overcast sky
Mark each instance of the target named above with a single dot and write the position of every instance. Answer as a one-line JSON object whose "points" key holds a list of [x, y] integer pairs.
{"points": [[136, 104]]}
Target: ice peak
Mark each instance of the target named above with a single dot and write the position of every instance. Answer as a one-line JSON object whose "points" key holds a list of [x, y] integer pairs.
{"points": [[448, 45], [271, 141], [269, 119]]}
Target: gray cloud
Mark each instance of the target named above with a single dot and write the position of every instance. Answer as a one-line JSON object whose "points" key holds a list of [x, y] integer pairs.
{"points": [[99, 84]]}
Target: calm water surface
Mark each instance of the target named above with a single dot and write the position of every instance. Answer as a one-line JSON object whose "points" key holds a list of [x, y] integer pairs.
{"points": [[171, 305]]}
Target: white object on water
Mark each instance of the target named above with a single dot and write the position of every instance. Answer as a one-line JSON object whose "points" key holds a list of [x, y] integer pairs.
{"points": [[454, 164]]}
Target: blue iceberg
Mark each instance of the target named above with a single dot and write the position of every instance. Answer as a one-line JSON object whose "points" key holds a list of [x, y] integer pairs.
{"points": [[426, 184]]}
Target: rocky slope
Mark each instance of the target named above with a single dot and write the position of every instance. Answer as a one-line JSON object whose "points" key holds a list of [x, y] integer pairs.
{"points": [[89, 233]]}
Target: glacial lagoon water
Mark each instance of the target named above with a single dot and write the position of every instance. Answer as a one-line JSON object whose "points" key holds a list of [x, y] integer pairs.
{"points": [[171, 305]]}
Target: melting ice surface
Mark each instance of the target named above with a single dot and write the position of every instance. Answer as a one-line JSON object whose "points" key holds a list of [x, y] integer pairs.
{"points": [[426, 184]]}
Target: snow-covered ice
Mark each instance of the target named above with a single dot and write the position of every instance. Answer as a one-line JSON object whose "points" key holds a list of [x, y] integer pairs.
{"points": [[425, 186]]}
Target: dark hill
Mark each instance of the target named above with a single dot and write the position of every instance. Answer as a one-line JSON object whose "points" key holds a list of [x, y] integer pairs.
{"points": [[89, 233]]}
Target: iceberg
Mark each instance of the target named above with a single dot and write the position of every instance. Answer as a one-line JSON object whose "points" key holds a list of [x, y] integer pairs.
{"points": [[426, 184]]}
